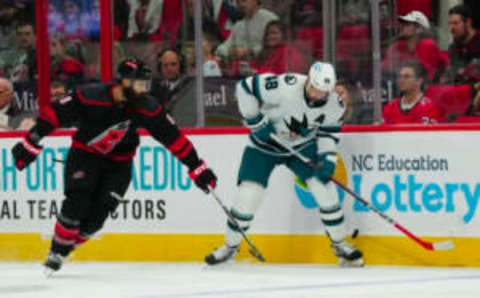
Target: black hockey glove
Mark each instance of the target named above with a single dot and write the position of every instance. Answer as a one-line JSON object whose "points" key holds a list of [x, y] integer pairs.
{"points": [[204, 177], [25, 152]]}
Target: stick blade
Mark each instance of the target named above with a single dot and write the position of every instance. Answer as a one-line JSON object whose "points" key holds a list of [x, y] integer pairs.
{"points": [[257, 255], [444, 245]]}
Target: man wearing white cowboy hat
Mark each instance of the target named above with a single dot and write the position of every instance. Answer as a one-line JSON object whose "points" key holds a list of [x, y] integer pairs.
{"points": [[414, 44]]}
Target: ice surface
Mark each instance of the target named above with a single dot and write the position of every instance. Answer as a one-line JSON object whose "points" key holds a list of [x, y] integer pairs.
{"points": [[159, 280]]}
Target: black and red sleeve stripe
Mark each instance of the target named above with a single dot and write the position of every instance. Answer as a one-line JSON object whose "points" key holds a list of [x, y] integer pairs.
{"points": [[184, 151]]}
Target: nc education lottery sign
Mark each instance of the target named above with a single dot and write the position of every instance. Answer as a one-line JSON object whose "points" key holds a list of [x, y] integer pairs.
{"points": [[425, 180], [428, 180]]}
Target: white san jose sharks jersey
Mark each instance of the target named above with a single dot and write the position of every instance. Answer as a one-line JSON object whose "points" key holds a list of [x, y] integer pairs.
{"points": [[297, 121]]}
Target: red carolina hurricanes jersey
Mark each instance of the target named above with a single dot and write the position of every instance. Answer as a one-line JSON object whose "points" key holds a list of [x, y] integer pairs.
{"points": [[424, 112]]}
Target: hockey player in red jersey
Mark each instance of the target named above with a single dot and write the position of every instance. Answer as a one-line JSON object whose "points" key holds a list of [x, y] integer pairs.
{"points": [[99, 163], [412, 106]]}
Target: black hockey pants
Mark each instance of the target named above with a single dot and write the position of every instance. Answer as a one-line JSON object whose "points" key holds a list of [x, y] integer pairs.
{"points": [[90, 180]]}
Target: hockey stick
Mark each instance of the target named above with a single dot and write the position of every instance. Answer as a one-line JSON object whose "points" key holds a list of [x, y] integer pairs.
{"points": [[253, 249], [443, 245]]}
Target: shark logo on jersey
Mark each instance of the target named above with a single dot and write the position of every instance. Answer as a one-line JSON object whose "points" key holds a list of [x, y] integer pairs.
{"points": [[290, 80], [320, 119], [298, 128]]}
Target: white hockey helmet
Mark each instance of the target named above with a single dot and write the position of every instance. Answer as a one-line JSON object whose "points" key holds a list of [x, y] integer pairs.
{"points": [[322, 76]]}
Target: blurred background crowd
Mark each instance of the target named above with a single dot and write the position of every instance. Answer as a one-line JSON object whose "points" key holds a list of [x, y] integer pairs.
{"points": [[429, 53]]}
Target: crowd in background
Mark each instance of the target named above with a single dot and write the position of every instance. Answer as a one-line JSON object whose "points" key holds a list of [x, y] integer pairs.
{"points": [[246, 37]]}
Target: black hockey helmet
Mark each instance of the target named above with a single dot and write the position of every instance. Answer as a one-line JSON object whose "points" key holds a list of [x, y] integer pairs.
{"points": [[133, 68]]}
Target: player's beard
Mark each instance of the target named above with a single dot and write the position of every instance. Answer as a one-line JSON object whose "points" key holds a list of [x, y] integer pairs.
{"points": [[461, 38], [132, 95]]}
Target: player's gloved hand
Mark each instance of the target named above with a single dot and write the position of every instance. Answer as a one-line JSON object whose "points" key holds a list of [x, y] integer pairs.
{"points": [[25, 152], [327, 162], [204, 177], [260, 127]]}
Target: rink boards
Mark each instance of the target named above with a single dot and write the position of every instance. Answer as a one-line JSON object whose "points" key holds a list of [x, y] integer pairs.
{"points": [[426, 180]]}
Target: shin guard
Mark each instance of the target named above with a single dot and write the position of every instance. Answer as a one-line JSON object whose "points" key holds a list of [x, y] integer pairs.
{"points": [[65, 235], [243, 210], [331, 212]]}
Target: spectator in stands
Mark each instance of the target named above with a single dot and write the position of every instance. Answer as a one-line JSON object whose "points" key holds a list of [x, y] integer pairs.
{"points": [[277, 55], [7, 25], [357, 110], [412, 106], [307, 13], [174, 90], [224, 13], [282, 8], [149, 24], [19, 64], [211, 64], [64, 67], [414, 44], [354, 12], [464, 52], [58, 90], [6, 97], [171, 67], [145, 17], [245, 40]]}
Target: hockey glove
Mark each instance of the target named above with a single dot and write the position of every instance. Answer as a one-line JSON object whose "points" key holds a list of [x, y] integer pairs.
{"points": [[204, 177], [260, 127], [327, 162], [25, 152]]}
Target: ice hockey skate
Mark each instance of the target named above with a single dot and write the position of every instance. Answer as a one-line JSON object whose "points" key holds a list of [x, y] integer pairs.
{"points": [[222, 254], [347, 254], [53, 263]]}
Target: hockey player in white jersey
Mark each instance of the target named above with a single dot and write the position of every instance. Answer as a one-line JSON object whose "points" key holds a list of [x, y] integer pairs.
{"points": [[304, 112]]}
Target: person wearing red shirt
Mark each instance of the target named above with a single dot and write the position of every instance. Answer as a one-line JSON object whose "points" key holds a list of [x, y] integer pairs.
{"points": [[413, 106], [464, 51], [277, 56], [413, 44], [64, 67]]}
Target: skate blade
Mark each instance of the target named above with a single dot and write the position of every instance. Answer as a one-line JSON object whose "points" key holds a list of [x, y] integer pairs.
{"points": [[220, 263], [350, 263], [444, 245], [48, 272]]}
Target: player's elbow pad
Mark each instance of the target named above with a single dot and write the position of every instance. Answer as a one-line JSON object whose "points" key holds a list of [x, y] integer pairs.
{"points": [[326, 143], [256, 123]]}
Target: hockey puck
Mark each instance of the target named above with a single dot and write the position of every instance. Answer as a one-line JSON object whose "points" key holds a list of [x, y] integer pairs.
{"points": [[355, 234]]}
